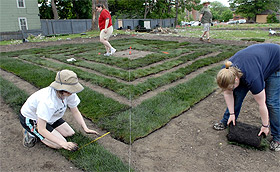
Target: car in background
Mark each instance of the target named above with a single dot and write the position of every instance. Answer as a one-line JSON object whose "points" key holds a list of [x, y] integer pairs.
{"points": [[214, 23], [196, 23], [241, 21], [233, 22], [184, 23]]}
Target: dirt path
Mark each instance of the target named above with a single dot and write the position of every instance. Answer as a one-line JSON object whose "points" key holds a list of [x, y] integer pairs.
{"points": [[186, 143], [15, 157]]}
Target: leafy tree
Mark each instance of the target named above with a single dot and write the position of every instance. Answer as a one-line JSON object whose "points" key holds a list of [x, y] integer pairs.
{"points": [[250, 8], [226, 15], [162, 9], [65, 9], [220, 12], [127, 8], [45, 10], [192, 4], [82, 9], [142, 8]]}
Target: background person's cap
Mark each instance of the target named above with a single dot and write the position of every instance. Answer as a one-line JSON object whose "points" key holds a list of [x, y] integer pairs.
{"points": [[68, 81], [206, 2]]}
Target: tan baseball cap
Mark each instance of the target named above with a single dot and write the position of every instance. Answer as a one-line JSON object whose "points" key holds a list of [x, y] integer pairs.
{"points": [[67, 80], [206, 2]]}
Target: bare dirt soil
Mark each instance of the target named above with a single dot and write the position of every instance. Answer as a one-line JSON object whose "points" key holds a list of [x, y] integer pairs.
{"points": [[186, 143]]}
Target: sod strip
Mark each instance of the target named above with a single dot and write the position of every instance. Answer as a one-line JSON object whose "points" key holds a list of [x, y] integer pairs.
{"points": [[135, 74], [12, 95], [174, 49], [153, 83], [108, 83], [138, 73], [154, 113], [141, 88], [111, 84], [93, 104], [126, 63], [93, 157]]}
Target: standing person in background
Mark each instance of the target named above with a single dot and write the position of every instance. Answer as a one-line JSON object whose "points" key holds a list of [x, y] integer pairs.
{"points": [[106, 28], [205, 18]]}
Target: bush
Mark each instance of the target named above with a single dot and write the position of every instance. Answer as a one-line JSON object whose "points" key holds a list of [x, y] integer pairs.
{"points": [[271, 18]]}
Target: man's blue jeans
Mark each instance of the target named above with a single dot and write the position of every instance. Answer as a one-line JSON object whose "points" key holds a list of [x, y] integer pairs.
{"points": [[272, 90]]}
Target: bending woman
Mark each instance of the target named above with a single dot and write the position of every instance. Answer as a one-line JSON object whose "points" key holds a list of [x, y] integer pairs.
{"points": [[256, 69]]}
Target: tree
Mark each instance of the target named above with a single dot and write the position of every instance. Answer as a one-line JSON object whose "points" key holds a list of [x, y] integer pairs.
{"points": [[66, 9], [82, 9], [191, 6], [54, 10], [226, 15], [250, 8], [148, 7], [220, 12], [176, 16], [45, 10]]}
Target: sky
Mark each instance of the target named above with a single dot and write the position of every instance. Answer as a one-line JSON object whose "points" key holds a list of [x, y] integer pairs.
{"points": [[224, 2]]}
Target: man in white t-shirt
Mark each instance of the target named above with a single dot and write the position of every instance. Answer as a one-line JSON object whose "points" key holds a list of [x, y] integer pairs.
{"points": [[41, 115]]}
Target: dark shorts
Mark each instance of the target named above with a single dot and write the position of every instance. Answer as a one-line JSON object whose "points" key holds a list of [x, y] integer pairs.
{"points": [[30, 126]]}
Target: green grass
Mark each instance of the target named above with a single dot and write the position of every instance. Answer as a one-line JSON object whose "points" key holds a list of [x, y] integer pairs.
{"points": [[159, 110], [93, 105], [263, 147], [236, 35], [107, 113], [124, 89], [92, 157], [254, 31], [12, 95], [134, 91]]}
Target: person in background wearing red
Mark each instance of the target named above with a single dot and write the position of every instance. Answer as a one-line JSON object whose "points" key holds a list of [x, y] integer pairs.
{"points": [[106, 28]]}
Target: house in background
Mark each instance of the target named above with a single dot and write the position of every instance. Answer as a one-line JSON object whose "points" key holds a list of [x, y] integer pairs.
{"points": [[262, 17], [18, 18]]}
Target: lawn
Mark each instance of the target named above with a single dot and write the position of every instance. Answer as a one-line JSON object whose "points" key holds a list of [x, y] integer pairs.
{"points": [[118, 74], [165, 63], [221, 31]]}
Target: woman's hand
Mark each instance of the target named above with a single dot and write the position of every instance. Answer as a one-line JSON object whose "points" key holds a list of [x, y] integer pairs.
{"points": [[264, 130], [91, 131], [71, 146], [231, 119]]}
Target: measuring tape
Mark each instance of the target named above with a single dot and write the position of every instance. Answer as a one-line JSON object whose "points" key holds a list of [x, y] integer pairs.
{"points": [[93, 141]]}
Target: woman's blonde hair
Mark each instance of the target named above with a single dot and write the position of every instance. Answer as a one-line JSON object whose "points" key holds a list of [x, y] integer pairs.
{"points": [[226, 76]]}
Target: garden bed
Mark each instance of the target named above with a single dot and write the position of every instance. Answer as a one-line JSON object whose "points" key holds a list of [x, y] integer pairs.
{"points": [[184, 140]]}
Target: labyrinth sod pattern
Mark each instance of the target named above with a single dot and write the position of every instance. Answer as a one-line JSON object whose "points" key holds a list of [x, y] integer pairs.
{"points": [[147, 81]]}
